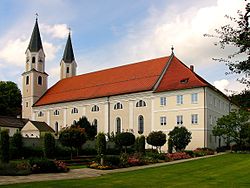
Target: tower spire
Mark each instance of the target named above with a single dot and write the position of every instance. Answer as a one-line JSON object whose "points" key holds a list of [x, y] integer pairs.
{"points": [[35, 41], [68, 55]]}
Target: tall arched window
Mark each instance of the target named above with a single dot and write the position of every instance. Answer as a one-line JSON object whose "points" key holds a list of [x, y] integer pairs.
{"points": [[56, 112], [40, 80], [33, 59], [140, 124], [95, 108], [74, 111], [56, 127], [118, 125], [118, 106], [140, 103], [27, 80], [94, 124], [74, 122]]}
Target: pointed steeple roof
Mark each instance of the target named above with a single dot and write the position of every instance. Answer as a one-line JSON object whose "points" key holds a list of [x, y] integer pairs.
{"points": [[35, 41], [68, 55]]}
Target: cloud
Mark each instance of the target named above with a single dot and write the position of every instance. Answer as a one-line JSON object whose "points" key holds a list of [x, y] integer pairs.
{"points": [[14, 51], [50, 50], [221, 84], [56, 31]]}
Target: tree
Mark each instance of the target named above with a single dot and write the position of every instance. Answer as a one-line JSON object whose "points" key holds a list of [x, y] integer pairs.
{"points": [[234, 127], [238, 36], [180, 137], [125, 139], [242, 99], [73, 138], [90, 130], [140, 144], [17, 145], [101, 144], [10, 99], [49, 145], [4, 145], [170, 145], [157, 139]]}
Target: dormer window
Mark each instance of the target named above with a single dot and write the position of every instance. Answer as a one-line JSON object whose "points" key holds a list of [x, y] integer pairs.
{"points": [[74, 111], [118, 106], [95, 108], [33, 59], [184, 81], [140, 103]]}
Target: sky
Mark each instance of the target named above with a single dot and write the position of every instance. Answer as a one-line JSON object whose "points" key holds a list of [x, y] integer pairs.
{"points": [[112, 33]]}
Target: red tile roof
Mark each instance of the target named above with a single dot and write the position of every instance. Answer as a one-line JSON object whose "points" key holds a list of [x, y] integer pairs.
{"points": [[130, 78], [179, 76]]}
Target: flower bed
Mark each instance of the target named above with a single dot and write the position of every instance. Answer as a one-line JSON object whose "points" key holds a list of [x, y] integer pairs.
{"points": [[178, 156]]}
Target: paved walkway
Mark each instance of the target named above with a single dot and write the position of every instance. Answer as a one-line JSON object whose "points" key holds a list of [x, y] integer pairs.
{"points": [[82, 173]]}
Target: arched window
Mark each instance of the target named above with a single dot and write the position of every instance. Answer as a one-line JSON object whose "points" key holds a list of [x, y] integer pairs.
{"points": [[40, 80], [56, 127], [118, 106], [33, 59], [67, 70], [40, 114], [27, 80], [74, 122], [95, 108], [94, 123], [140, 124], [118, 125], [56, 112], [140, 103], [74, 111]]}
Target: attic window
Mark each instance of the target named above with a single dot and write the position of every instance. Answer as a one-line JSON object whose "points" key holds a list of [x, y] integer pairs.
{"points": [[184, 81]]}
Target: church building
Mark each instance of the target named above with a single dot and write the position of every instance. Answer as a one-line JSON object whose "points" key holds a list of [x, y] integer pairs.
{"points": [[157, 94]]}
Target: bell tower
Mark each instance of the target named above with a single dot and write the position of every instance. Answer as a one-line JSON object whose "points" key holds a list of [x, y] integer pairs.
{"points": [[34, 77], [68, 64]]}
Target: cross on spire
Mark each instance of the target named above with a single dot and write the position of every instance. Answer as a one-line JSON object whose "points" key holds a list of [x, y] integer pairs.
{"points": [[172, 49], [36, 15]]}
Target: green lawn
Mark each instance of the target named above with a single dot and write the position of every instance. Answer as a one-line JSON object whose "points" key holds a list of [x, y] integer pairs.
{"points": [[230, 170]]}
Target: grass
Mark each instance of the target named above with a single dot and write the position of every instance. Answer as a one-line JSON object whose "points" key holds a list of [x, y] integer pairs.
{"points": [[77, 166], [230, 170]]}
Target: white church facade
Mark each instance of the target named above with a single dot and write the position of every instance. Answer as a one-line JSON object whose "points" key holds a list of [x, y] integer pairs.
{"points": [[152, 95]]}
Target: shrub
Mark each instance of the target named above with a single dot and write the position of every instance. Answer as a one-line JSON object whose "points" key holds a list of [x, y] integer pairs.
{"points": [[16, 146], [203, 151], [112, 160], [156, 138], [124, 160], [140, 144], [4, 146], [101, 144], [32, 152], [125, 139], [156, 156], [178, 156], [190, 152], [180, 137], [170, 145], [88, 151], [43, 165], [112, 151], [49, 145], [15, 168]]}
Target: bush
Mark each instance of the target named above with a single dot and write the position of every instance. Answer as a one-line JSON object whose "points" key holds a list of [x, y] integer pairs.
{"points": [[112, 160], [15, 168], [43, 165], [125, 139], [112, 151], [170, 145], [203, 151], [156, 138], [88, 151], [32, 152], [49, 145], [101, 144], [140, 144], [178, 156], [16, 146], [180, 137], [156, 156], [190, 152], [4, 146], [63, 152]]}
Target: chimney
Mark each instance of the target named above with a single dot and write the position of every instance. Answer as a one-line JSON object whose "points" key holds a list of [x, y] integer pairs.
{"points": [[192, 68]]}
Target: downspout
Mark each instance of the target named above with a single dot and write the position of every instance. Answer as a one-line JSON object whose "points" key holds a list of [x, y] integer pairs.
{"points": [[205, 118], [108, 114]]}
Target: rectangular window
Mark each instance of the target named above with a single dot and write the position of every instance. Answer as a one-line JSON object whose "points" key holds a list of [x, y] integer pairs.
{"points": [[27, 104], [194, 98], [163, 101], [211, 99], [163, 120], [211, 120], [179, 120], [214, 101], [194, 118], [179, 99]]}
